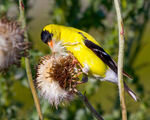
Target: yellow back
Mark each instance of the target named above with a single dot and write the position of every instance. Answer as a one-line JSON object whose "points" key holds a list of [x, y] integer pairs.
{"points": [[80, 51]]}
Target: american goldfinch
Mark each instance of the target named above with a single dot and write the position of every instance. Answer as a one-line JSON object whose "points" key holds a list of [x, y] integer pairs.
{"points": [[92, 57]]}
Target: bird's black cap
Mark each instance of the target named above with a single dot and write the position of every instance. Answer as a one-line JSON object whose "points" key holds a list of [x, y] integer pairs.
{"points": [[46, 36]]}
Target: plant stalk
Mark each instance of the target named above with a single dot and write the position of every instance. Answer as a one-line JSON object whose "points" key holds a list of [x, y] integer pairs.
{"points": [[27, 62], [89, 106], [120, 60]]}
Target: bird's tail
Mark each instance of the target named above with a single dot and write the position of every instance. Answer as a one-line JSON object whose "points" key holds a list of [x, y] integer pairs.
{"points": [[111, 76], [127, 75], [130, 92]]}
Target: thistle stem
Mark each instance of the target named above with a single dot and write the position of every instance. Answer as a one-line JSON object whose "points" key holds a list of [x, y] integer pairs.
{"points": [[89, 106], [27, 62], [120, 60]]}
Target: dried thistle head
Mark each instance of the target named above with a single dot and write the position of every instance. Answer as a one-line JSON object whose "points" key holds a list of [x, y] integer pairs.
{"points": [[12, 44], [57, 78]]}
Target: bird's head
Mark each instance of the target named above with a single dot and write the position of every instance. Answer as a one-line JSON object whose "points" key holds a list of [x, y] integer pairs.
{"points": [[50, 34], [46, 37]]}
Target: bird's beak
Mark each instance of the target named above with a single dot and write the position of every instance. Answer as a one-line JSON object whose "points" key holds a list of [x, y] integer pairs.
{"points": [[50, 44]]}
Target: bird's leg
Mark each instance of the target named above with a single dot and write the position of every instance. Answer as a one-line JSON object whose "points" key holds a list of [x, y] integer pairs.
{"points": [[85, 71]]}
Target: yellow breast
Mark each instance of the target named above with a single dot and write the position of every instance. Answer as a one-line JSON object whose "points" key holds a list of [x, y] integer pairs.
{"points": [[81, 52]]}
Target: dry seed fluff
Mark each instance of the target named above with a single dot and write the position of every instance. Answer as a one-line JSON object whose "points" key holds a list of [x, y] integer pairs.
{"points": [[56, 78], [12, 44]]}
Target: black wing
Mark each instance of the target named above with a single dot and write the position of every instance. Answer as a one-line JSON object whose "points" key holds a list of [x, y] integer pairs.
{"points": [[102, 55]]}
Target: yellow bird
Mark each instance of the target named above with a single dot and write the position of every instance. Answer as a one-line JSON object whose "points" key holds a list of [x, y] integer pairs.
{"points": [[94, 60]]}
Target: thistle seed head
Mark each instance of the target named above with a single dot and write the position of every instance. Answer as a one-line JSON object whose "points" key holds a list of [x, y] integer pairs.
{"points": [[57, 78], [12, 44]]}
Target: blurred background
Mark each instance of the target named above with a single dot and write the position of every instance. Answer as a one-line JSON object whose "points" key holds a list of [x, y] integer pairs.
{"points": [[97, 17]]}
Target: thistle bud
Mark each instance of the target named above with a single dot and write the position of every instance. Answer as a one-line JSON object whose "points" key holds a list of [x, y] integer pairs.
{"points": [[12, 44], [57, 78]]}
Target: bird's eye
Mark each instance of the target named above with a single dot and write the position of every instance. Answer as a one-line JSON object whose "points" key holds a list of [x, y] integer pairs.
{"points": [[46, 36]]}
